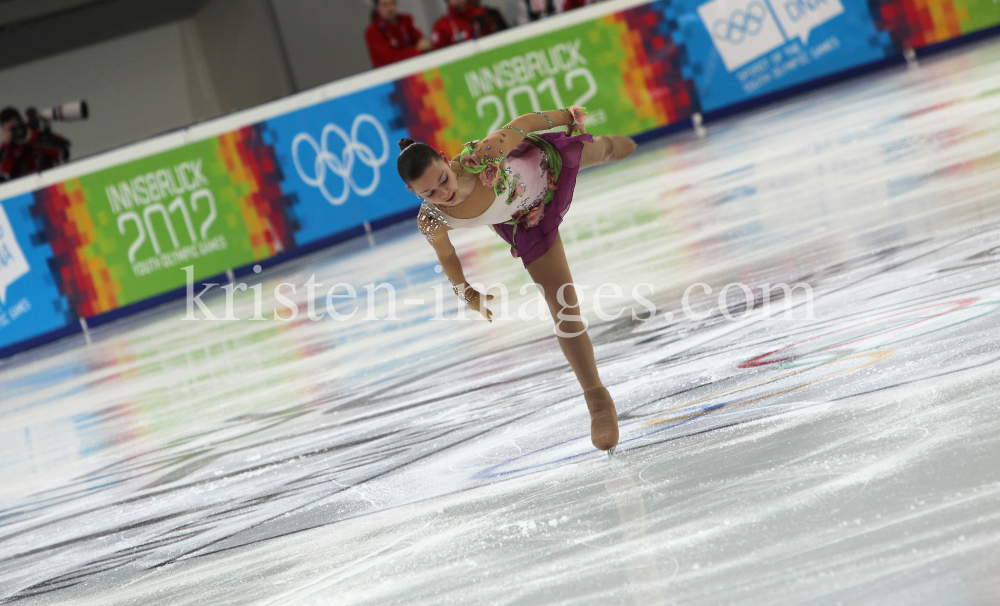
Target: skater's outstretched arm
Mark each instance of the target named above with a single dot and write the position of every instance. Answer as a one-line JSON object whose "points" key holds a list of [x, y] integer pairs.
{"points": [[437, 235], [498, 144]]}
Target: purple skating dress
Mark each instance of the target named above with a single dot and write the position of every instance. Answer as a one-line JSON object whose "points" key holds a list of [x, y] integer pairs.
{"points": [[527, 168]]}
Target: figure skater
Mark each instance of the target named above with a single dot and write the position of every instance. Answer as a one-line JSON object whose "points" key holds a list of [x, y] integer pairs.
{"points": [[522, 185]]}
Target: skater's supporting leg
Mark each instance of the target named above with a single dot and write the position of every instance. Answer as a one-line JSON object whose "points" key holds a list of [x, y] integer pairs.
{"points": [[606, 149], [551, 271]]}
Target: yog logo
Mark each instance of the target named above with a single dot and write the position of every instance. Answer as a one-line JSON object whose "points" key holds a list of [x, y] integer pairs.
{"points": [[741, 23], [13, 264], [743, 31], [341, 166]]}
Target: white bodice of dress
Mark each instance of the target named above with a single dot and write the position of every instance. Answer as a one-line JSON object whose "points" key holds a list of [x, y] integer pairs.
{"points": [[527, 179]]}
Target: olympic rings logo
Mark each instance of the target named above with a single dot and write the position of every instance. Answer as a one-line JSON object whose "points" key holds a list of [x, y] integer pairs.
{"points": [[741, 23], [343, 166]]}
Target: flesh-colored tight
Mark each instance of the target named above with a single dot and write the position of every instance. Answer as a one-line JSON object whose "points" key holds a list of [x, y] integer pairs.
{"points": [[551, 271]]}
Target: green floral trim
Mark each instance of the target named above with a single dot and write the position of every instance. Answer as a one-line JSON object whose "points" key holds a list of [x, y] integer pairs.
{"points": [[474, 169], [555, 160], [547, 119], [555, 167], [503, 184], [467, 150]]}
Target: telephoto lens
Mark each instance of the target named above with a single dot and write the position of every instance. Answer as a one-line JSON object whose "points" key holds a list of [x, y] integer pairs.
{"points": [[67, 112]]}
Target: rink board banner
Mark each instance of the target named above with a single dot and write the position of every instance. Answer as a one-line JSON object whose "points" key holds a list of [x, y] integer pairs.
{"points": [[919, 23], [123, 234], [623, 67], [30, 302], [740, 49], [337, 161]]}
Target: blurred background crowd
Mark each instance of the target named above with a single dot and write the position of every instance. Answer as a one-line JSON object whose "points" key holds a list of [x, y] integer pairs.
{"points": [[393, 36]]}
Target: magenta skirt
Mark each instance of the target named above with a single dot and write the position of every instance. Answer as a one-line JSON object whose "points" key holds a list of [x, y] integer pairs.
{"points": [[530, 243]]}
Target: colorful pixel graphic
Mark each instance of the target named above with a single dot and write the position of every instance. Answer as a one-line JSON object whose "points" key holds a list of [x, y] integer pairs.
{"points": [[426, 112], [914, 24], [257, 176], [652, 67], [77, 265]]}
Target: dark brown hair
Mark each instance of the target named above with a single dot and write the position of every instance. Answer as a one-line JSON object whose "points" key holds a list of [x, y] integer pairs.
{"points": [[414, 158]]}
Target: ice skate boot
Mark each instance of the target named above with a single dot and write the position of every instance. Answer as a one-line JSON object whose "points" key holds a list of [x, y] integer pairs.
{"points": [[603, 418]]}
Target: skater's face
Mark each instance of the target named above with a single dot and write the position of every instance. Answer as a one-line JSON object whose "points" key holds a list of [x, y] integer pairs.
{"points": [[438, 184]]}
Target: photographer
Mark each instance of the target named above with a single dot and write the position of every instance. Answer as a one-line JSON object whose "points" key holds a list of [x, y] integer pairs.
{"points": [[28, 148]]}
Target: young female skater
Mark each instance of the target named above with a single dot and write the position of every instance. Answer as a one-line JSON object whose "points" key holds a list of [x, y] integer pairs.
{"points": [[522, 185]]}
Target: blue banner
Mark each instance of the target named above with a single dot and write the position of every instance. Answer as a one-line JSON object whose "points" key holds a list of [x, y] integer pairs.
{"points": [[30, 303], [338, 160], [740, 49]]}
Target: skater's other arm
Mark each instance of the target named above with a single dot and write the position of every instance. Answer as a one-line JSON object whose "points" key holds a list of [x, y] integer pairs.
{"points": [[437, 235], [495, 147]]}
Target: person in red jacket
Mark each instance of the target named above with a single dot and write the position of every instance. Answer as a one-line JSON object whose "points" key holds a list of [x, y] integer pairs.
{"points": [[392, 36], [462, 22], [533, 10]]}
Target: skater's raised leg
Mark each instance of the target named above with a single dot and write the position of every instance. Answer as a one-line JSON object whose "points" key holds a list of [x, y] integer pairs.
{"points": [[606, 149]]}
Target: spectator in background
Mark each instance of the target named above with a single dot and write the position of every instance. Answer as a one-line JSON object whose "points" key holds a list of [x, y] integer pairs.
{"points": [[495, 17], [533, 10], [462, 22], [571, 4], [392, 36], [25, 150]]}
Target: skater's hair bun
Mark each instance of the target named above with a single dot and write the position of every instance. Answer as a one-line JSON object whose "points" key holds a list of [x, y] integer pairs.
{"points": [[414, 158]]}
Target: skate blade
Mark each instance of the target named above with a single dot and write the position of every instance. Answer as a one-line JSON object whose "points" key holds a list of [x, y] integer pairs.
{"points": [[611, 452]]}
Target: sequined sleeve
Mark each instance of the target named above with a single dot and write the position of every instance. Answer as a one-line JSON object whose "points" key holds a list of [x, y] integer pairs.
{"points": [[429, 221], [501, 142]]}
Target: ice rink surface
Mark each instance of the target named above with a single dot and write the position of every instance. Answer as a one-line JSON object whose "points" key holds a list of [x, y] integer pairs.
{"points": [[847, 454]]}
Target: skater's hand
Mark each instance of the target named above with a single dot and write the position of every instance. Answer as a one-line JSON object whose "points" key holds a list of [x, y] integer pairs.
{"points": [[473, 298], [579, 117], [478, 303]]}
